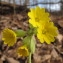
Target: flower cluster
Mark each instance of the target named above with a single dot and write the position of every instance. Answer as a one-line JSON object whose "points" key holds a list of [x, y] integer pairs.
{"points": [[9, 37], [46, 31], [41, 26]]}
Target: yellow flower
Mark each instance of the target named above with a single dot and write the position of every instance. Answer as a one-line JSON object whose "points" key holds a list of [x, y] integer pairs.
{"points": [[9, 37], [23, 51], [46, 32], [37, 16]]}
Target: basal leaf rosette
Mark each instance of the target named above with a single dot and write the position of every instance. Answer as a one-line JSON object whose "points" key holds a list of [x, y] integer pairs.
{"points": [[23, 51], [37, 16], [47, 32], [9, 37]]}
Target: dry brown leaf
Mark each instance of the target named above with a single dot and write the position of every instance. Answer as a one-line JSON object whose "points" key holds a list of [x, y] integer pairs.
{"points": [[20, 17], [11, 60], [37, 58], [12, 53], [54, 53], [1, 61], [60, 37], [46, 57], [3, 57], [60, 23]]}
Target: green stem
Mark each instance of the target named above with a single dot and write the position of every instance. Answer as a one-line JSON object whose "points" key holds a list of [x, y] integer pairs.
{"points": [[29, 59]]}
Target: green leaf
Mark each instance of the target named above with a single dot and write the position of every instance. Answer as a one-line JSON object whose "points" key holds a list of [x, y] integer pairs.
{"points": [[26, 41], [32, 44], [20, 33], [30, 41]]}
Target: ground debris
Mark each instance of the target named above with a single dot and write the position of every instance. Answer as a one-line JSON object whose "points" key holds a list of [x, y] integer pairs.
{"points": [[52, 53]]}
